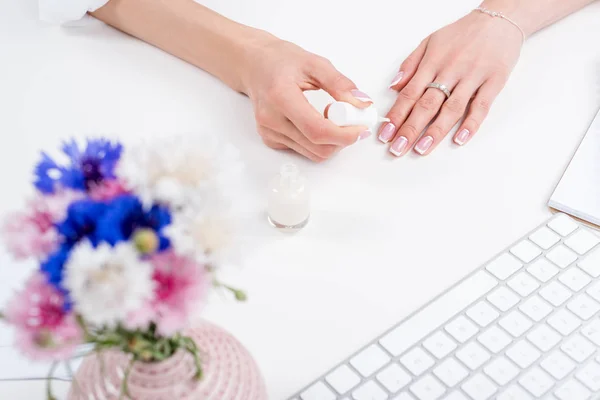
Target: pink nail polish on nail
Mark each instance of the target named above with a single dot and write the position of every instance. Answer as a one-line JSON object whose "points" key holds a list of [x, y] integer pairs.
{"points": [[362, 96], [462, 137], [397, 79], [363, 135], [397, 148], [387, 133], [423, 144]]}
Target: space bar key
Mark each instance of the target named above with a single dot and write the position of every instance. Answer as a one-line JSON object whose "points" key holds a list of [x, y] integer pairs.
{"points": [[429, 318]]}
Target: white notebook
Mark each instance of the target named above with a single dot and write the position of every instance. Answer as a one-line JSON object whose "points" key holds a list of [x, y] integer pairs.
{"points": [[578, 192]]}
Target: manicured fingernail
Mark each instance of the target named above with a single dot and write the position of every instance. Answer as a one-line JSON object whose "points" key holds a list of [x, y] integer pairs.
{"points": [[363, 135], [387, 133], [362, 96], [397, 79], [397, 148], [423, 144], [462, 137]]}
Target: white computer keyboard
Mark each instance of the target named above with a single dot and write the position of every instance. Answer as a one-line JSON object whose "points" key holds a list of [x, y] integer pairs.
{"points": [[523, 326]]}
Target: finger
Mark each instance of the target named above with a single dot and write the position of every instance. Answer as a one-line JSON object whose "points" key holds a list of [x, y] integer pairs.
{"points": [[314, 126], [478, 110], [422, 114], [452, 111], [405, 102], [322, 150], [409, 66], [275, 140], [341, 88]]}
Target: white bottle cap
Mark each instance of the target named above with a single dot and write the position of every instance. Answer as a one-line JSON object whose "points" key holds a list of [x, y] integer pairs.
{"points": [[345, 114]]}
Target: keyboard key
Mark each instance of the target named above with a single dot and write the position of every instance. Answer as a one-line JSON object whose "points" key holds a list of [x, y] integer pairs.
{"points": [[404, 396], [575, 279], [417, 361], [572, 390], [590, 376], [482, 313], [393, 378], [450, 372], [411, 331], [516, 323], [514, 392], [545, 238], [504, 266], [594, 291], [591, 263], [578, 348], [318, 391], [583, 306], [536, 381], [556, 293], [427, 388], [503, 298], [558, 365], [561, 256], [479, 387], [342, 379], [523, 284], [542, 269], [369, 391], [439, 344], [523, 354], [494, 339], [461, 329], [564, 322], [563, 225], [525, 251], [536, 308], [592, 331], [370, 360], [456, 396], [582, 241], [544, 337], [473, 355], [501, 370]]}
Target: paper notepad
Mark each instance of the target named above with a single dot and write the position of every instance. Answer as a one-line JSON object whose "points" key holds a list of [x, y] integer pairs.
{"points": [[578, 192]]}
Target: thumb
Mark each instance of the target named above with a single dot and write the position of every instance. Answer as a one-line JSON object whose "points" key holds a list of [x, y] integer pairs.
{"points": [[328, 78]]}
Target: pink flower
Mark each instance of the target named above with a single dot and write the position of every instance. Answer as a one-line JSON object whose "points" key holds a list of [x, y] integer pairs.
{"points": [[32, 233], [181, 288], [107, 190], [44, 329]]}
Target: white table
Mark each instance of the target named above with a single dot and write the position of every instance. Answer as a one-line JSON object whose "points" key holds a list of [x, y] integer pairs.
{"points": [[381, 228]]}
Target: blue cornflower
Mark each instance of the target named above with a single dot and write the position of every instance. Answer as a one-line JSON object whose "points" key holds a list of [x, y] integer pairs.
{"points": [[54, 265], [125, 214], [81, 221], [88, 167]]}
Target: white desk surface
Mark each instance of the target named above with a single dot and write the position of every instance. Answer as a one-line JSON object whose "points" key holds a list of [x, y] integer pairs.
{"points": [[381, 227]]}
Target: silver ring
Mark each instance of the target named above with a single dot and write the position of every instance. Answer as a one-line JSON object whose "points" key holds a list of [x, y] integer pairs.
{"points": [[440, 86]]}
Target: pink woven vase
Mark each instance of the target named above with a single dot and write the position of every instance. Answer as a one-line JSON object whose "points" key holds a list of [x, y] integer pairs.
{"points": [[229, 373]]}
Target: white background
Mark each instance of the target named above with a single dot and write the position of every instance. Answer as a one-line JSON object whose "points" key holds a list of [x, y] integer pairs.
{"points": [[386, 234]]}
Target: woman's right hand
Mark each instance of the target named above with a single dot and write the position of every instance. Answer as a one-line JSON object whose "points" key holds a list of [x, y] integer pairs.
{"points": [[274, 74]]}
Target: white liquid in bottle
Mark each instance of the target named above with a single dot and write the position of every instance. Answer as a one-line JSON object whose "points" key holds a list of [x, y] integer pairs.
{"points": [[289, 200]]}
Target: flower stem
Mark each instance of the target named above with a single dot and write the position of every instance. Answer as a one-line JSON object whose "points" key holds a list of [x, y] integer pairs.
{"points": [[49, 395], [191, 347], [125, 384], [238, 294]]}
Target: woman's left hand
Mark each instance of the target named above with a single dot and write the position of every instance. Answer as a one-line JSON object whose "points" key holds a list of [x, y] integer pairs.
{"points": [[473, 57]]}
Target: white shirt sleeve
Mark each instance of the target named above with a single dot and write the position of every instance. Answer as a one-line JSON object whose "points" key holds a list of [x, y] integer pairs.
{"points": [[67, 11]]}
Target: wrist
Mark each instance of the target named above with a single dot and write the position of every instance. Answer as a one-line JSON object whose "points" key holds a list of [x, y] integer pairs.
{"points": [[517, 11]]}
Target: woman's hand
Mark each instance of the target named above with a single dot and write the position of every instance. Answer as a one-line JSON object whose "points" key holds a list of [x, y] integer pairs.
{"points": [[473, 57], [274, 75]]}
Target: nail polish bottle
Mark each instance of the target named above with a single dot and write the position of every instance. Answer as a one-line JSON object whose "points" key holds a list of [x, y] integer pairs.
{"points": [[289, 200], [345, 114]]}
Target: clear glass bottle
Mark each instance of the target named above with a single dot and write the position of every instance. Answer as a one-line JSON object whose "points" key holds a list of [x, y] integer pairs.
{"points": [[289, 200]]}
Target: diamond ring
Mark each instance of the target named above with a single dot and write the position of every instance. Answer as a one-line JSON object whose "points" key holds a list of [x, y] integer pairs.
{"points": [[440, 86]]}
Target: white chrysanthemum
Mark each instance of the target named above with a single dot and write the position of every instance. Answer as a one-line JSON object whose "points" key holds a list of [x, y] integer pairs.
{"points": [[107, 283], [188, 173]]}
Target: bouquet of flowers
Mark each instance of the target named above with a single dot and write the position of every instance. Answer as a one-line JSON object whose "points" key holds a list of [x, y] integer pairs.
{"points": [[126, 244]]}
